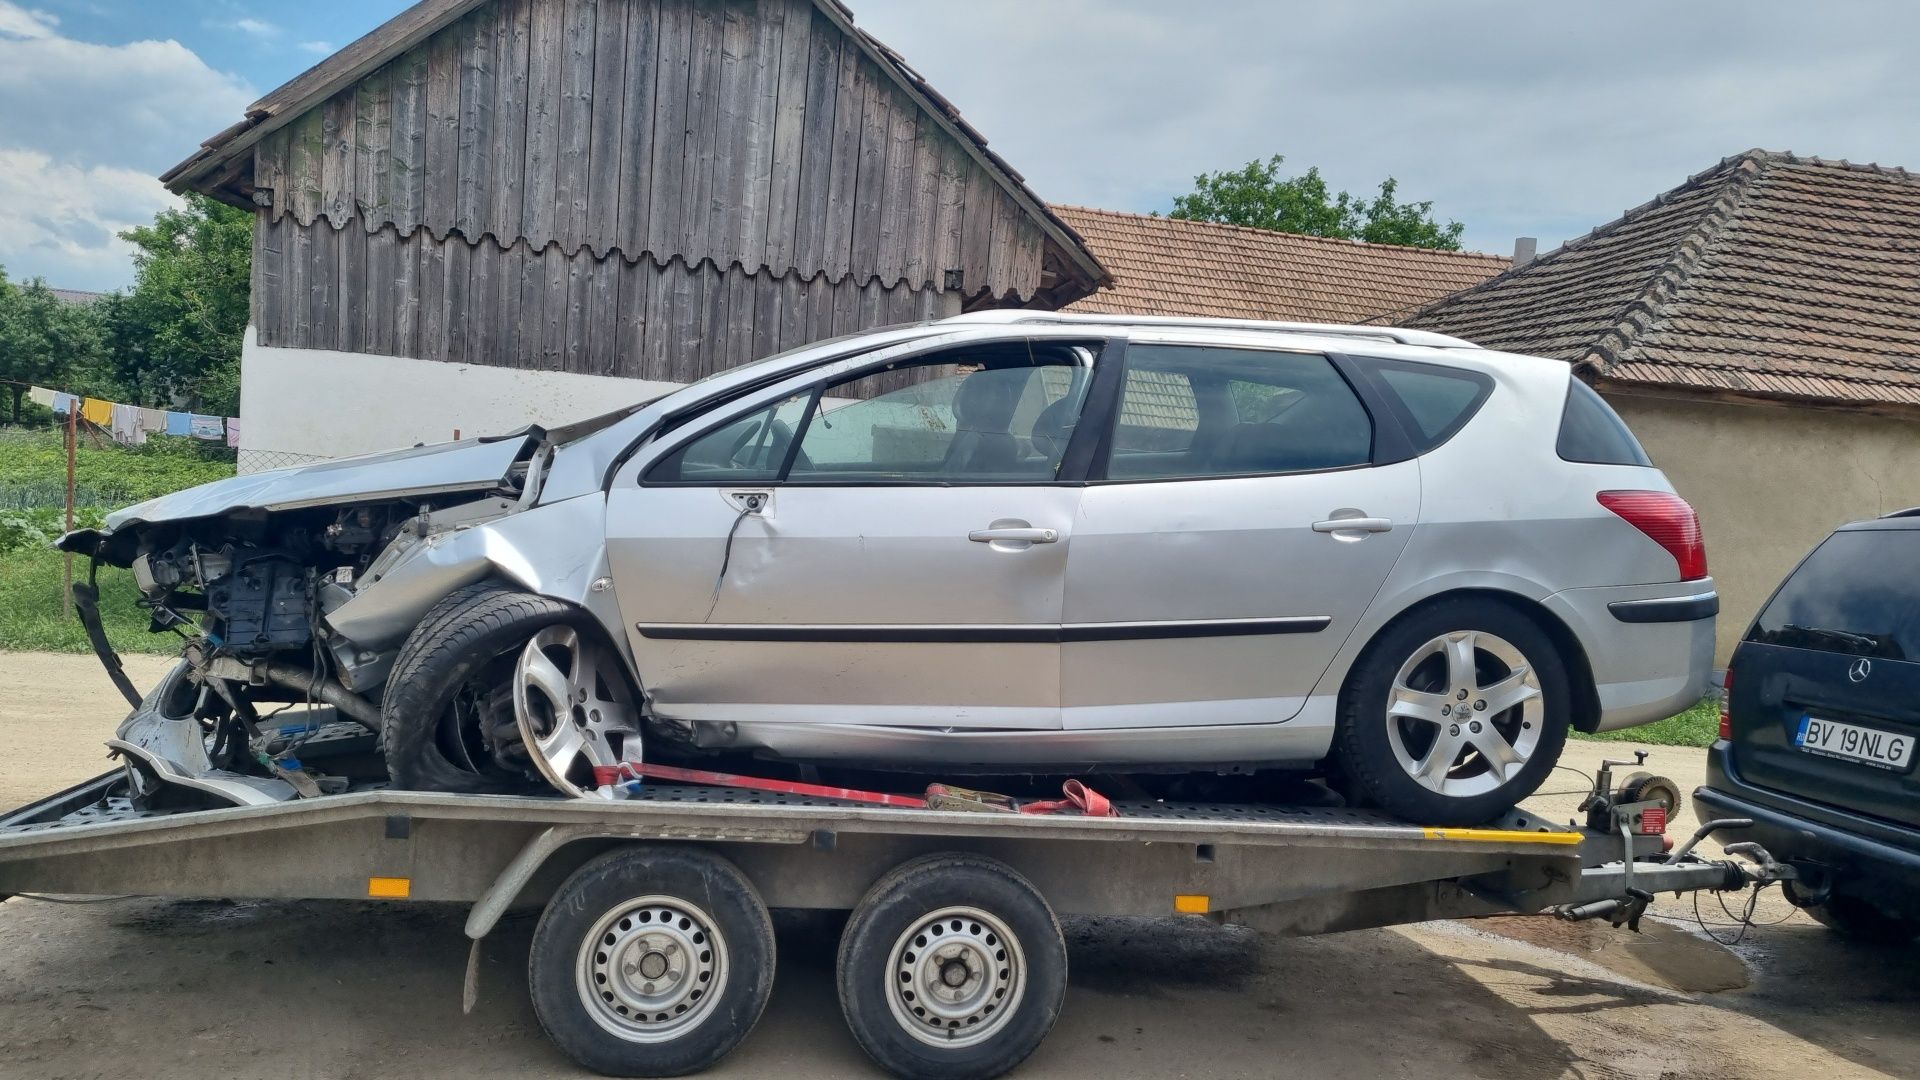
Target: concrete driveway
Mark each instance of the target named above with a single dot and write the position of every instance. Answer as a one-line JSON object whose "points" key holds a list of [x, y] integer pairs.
{"points": [[162, 989]]}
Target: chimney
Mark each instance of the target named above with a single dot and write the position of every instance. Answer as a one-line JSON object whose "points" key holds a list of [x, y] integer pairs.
{"points": [[1524, 248]]}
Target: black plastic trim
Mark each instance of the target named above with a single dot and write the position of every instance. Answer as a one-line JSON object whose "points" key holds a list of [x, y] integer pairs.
{"points": [[985, 635], [1677, 609]]}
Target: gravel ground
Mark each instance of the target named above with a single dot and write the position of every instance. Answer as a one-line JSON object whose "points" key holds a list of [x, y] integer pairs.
{"points": [[167, 988]]}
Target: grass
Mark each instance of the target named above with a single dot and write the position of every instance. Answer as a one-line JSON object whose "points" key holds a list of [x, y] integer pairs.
{"points": [[31, 616], [33, 478], [1698, 726]]}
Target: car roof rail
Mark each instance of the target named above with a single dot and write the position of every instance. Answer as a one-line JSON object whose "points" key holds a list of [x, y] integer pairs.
{"points": [[1393, 334], [1909, 512]]}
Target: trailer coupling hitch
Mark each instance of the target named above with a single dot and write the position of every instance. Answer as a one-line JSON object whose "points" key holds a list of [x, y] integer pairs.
{"points": [[1629, 885]]}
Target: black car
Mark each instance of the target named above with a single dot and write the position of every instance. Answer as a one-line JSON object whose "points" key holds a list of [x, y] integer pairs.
{"points": [[1817, 736]]}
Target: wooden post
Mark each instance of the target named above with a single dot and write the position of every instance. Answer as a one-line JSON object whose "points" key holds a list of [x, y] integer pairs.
{"points": [[73, 450]]}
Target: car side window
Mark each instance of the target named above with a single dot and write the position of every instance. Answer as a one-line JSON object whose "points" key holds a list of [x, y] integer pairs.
{"points": [[1191, 412], [749, 450], [1437, 401], [1004, 416]]}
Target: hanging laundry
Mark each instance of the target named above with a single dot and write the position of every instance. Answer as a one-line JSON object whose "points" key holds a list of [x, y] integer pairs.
{"points": [[97, 412], [179, 423], [40, 395], [209, 427], [153, 421], [126, 425], [64, 404], [233, 432]]}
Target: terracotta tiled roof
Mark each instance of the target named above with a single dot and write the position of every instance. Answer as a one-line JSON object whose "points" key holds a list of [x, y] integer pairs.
{"points": [[1769, 275], [1162, 266]]}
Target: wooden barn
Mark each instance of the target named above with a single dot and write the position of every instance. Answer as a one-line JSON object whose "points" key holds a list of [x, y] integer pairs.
{"points": [[647, 189]]}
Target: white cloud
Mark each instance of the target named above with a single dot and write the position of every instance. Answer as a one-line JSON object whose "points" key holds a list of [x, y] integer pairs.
{"points": [[257, 28], [1514, 117], [61, 221], [85, 129], [318, 48], [19, 22]]}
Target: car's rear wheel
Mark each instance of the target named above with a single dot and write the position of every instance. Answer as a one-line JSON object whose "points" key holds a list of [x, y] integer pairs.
{"points": [[1455, 713], [1863, 921]]}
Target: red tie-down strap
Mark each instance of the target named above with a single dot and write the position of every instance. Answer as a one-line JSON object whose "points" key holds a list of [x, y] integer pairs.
{"points": [[1078, 797]]}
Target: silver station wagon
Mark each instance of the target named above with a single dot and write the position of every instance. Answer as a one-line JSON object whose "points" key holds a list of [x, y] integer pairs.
{"points": [[1009, 542]]}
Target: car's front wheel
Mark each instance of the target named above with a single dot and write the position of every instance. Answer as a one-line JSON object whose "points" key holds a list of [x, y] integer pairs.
{"points": [[1455, 713]]}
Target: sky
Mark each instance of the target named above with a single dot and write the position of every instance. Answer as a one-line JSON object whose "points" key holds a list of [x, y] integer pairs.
{"points": [[1516, 117]]}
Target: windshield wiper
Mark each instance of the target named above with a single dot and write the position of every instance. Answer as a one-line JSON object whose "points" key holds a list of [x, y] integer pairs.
{"points": [[1863, 640]]}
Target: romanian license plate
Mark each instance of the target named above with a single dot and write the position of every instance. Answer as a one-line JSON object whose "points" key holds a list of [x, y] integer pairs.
{"points": [[1849, 742]]}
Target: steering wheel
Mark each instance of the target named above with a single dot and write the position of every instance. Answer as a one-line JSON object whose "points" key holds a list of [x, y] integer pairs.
{"points": [[740, 443], [781, 440]]}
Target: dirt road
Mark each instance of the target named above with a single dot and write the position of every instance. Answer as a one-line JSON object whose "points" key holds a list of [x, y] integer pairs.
{"points": [[307, 990]]}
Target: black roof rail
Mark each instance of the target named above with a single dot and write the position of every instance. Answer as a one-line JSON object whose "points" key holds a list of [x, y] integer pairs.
{"points": [[1911, 511]]}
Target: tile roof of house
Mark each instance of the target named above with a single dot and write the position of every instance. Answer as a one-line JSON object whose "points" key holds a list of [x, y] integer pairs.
{"points": [[1164, 266], [1768, 275], [75, 296]]}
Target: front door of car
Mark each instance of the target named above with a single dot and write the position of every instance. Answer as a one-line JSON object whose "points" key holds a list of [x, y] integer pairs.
{"points": [[888, 551], [1239, 533]]}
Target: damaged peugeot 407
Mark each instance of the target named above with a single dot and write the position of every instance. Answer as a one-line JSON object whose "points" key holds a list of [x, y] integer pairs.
{"points": [[1008, 542]]}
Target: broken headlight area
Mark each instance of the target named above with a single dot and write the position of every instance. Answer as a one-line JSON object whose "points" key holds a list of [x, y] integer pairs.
{"points": [[270, 702]]}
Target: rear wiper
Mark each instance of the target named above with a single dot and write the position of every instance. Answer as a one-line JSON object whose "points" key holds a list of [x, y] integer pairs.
{"points": [[1864, 640]]}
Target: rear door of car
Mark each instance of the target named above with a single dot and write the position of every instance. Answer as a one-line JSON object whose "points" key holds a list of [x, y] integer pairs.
{"points": [[1237, 525], [1829, 674]]}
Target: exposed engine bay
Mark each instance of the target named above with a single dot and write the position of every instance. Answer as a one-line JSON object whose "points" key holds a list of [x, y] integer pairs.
{"points": [[294, 611]]}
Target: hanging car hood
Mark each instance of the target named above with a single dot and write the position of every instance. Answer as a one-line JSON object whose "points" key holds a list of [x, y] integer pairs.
{"points": [[469, 465]]}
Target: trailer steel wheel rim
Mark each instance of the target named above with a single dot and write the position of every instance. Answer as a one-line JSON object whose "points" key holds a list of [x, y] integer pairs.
{"points": [[955, 977], [1464, 714], [652, 969]]}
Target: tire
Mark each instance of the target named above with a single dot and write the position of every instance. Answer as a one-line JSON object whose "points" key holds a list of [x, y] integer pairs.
{"points": [[459, 639], [1852, 917], [1383, 750], [716, 934], [989, 915]]}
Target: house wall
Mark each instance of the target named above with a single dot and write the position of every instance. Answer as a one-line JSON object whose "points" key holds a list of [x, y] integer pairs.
{"points": [[372, 403], [1771, 482]]}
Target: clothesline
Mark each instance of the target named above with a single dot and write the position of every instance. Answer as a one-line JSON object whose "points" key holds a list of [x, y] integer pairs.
{"points": [[130, 425]]}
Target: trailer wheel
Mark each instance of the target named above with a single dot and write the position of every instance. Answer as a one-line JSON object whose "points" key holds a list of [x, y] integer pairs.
{"points": [[652, 961], [953, 967]]}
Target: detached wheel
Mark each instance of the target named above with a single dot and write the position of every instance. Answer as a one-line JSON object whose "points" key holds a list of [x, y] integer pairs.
{"points": [[1455, 714], [953, 967], [652, 962]]}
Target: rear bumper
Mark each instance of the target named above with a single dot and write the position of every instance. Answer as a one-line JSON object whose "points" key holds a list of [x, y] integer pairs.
{"points": [[1650, 646], [1864, 854]]}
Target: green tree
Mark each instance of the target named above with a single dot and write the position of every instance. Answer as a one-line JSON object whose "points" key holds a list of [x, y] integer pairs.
{"points": [[1260, 197], [43, 339], [177, 334]]}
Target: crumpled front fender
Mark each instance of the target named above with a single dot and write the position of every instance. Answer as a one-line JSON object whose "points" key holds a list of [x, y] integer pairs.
{"points": [[557, 550]]}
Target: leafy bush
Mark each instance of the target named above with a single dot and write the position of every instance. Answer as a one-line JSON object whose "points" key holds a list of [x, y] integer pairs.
{"points": [[38, 528]]}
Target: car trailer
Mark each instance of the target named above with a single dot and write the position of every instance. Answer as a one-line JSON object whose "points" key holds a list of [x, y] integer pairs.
{"points": [[654, 952]]}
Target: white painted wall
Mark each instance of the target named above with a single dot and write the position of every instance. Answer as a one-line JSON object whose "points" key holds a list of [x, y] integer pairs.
{"points": [[300, 405]]}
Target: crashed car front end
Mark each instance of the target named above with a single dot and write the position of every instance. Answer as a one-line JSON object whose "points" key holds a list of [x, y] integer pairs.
{"points": [[294, 592]]}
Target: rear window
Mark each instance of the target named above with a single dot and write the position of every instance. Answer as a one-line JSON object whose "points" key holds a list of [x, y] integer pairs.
{"points": [[1436, 401], [1855, 595], [1591, 432]]}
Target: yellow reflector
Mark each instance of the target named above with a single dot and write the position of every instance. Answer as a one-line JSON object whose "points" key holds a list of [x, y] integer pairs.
{"points": [[389, 888], [1192, 905], [1503, 836]]}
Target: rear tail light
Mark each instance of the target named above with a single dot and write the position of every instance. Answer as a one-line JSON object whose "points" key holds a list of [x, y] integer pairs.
{"points": [[1726, 705], [1667, 520]]}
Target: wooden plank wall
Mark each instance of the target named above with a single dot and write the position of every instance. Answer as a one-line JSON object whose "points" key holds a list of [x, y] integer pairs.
{"points": [[642, 159], [540, 308]]}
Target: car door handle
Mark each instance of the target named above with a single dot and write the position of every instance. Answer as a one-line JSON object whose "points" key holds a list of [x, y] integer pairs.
{"points": [[1358, 524], [1011, 536]]}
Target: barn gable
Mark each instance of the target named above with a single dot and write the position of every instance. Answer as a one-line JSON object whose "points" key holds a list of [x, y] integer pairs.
{"points": [[658, 188]]}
